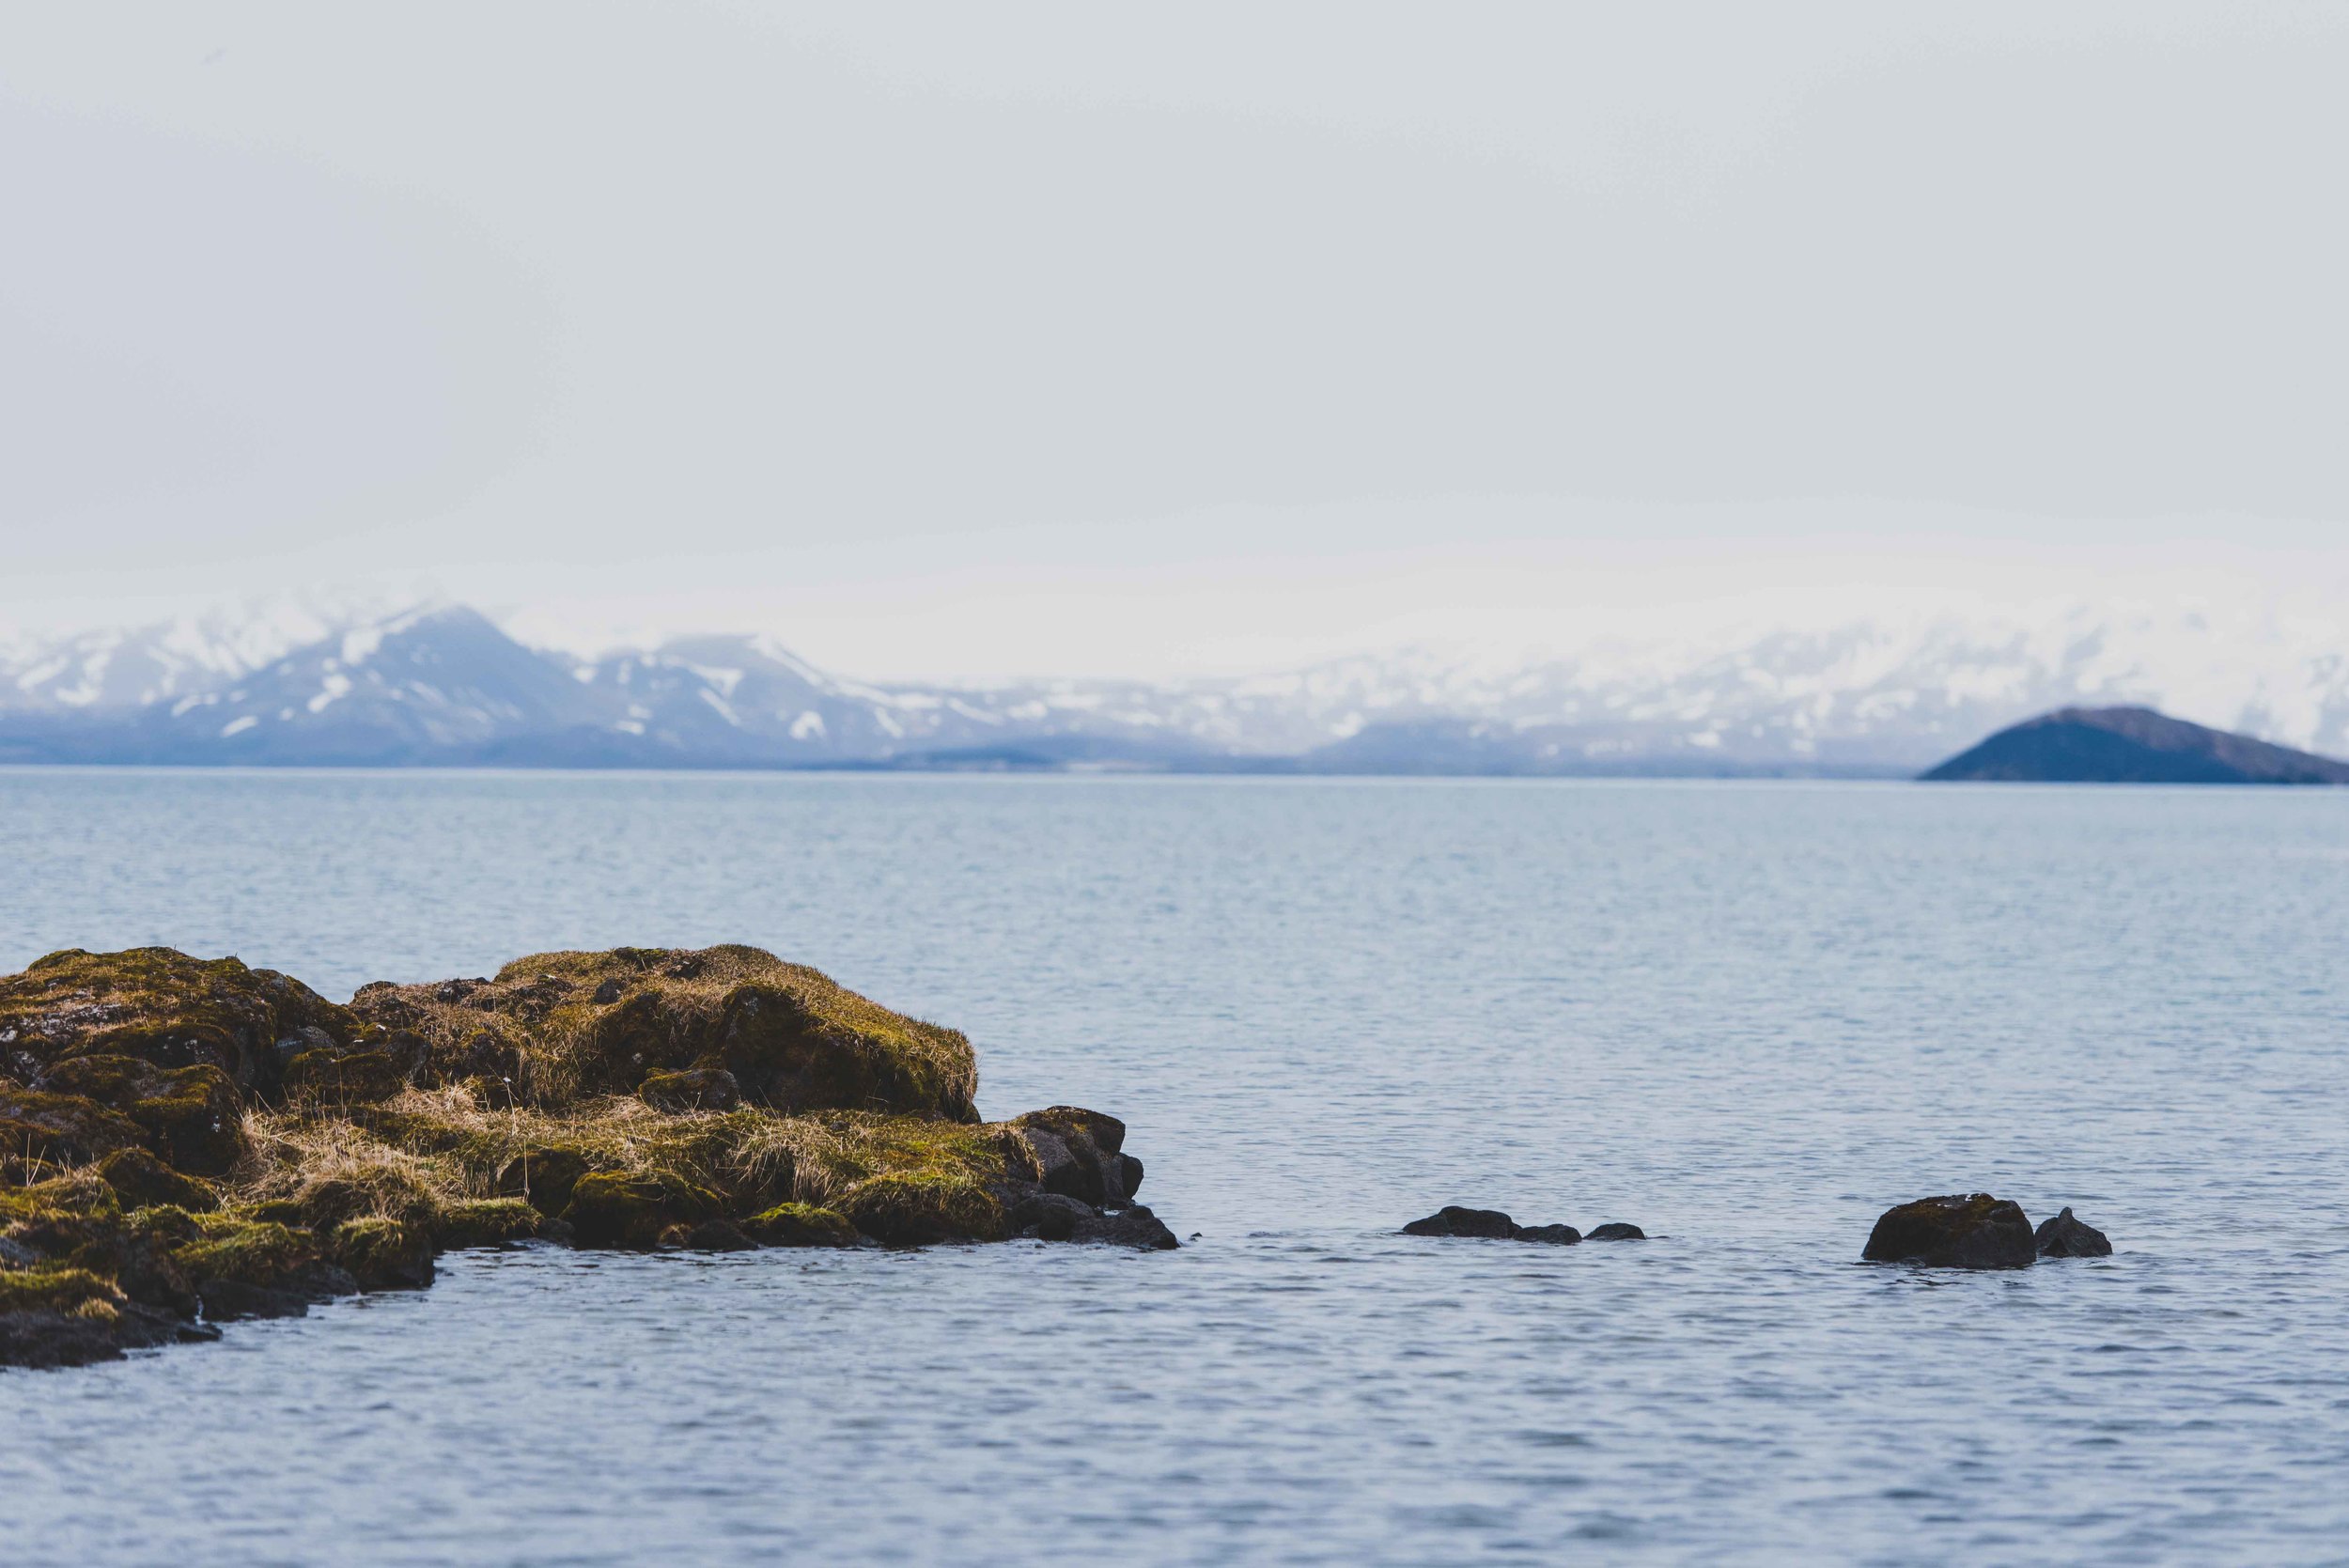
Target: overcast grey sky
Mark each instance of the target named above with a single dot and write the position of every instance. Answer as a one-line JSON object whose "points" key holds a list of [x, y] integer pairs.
{"points": [[981, 339]]}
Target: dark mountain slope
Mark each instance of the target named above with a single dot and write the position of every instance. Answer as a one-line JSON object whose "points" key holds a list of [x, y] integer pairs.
{"points": [[2133, 745]]}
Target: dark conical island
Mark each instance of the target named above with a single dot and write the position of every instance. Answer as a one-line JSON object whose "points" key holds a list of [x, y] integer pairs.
{"points": [[2133, 745]]}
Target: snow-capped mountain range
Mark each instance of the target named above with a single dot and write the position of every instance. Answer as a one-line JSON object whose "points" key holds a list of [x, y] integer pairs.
{"points": [[445, 685]]}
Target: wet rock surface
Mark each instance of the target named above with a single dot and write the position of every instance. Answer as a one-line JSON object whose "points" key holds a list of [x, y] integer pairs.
{"points": [[185, 1143], [2066, 1237], [1959, 1230], [1489, 1224]]}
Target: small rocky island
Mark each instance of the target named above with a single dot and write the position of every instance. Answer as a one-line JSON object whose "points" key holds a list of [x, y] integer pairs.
{"points": [[186, 1142], [2131, 745]]}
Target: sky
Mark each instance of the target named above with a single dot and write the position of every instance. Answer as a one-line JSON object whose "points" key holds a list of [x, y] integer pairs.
{"points": [[962, 341]]}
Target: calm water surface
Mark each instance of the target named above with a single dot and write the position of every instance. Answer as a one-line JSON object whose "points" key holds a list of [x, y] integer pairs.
{"points": [[1745, 1017]]}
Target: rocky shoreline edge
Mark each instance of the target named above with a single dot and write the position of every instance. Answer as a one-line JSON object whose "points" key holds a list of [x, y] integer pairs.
{"points": [[187, 1141]]}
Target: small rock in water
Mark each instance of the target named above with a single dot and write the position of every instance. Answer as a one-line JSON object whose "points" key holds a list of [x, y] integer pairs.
{"points": [[1451, 1219], [1490, 1225], [1134, 1227], [1617, 1231], [2066, 1237], [1960, 1231]]}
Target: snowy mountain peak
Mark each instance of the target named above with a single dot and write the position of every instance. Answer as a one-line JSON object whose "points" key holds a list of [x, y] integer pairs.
{"points": [[441, 682]]}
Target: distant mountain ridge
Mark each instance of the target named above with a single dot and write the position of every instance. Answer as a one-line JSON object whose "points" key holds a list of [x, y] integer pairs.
{"points": [[445, 685], [2131, 745]]}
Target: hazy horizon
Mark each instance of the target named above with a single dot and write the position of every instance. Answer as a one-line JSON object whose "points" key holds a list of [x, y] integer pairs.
{"points": [[1059, 342]]}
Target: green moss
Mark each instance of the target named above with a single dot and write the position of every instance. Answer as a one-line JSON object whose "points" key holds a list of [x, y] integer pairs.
{"points": [[565, 1025], [801, 1225], [72, 1291], [382, 1254], [325, 1078], [246, 1251], [40, 1129], [543, 1174], [691, 1089], [917, 1209], [191, 1116], [618, 1209], [488, 1222], [140, 1180], [163, 1006], [80, 1196]]}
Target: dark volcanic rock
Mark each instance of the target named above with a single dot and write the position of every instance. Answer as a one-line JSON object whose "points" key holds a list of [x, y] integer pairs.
{"points": [[50, 1338], [228, 1299], [2065, 1237], [1451, 1219], [719, 1236], [1617, 1231], [1975, 1231], [1133, 1227], [1078, 1154], [1490, 1225], [2133, 745]]}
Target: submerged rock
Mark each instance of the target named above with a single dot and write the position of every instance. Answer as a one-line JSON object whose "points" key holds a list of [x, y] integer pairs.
{"points": [[1972, 1231], [237, 1146], [1616, 1231], [1489, 1224], [2066, 1237]]}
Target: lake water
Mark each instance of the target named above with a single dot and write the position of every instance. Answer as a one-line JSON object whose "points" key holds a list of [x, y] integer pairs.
{"points": [[1745, 1017]]}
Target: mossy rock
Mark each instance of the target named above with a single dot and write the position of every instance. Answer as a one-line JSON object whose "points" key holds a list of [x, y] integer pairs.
{"points": [[191, 1116], [801, 1225], [567, 1025], [50, 1219], [612, 1208], [383, 1254], [1077, 1153], [926, 1207], [142, 1181], [40, 1129], [488, 1222], [691, 1089], [161, 1006], [329, 1078], [544, 1175], [56, 1290], [246, 1251]]}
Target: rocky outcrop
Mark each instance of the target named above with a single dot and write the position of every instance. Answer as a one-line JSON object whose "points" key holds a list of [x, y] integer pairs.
{"points": [[2065, 1236], [1972, 1231], [186, 1142], [1618, 1231], [559, 1026], [1490, 1225]]}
